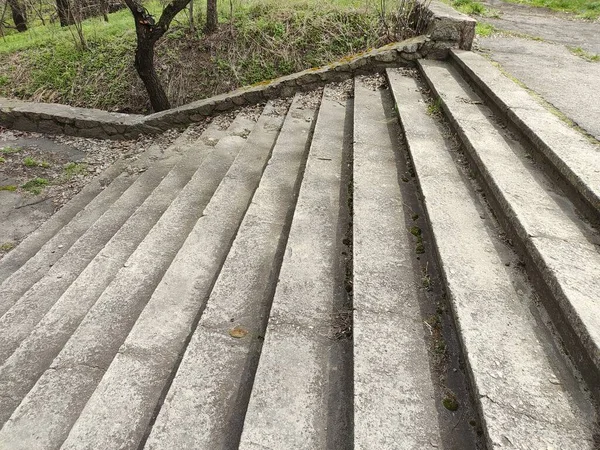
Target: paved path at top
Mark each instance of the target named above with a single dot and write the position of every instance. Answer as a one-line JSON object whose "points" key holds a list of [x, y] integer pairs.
{"points": [[547, 66]]}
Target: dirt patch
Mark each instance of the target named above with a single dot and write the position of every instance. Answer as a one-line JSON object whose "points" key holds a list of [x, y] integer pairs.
{"points": [[39, 174]]}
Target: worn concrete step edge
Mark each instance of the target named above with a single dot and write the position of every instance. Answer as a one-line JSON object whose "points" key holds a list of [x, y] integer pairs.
{"points": [[224, 347], [158, 338], [56, 400], [286, 404], [63, 312], [570, 154], [394, 395], [558, 248], [96, 214], [525, 393]]}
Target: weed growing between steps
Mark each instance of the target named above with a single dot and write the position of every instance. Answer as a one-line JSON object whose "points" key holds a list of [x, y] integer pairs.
{"points": [[256, 41]]}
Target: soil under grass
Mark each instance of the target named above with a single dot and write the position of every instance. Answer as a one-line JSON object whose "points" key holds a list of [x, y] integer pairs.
{"points": [[259, 40]]}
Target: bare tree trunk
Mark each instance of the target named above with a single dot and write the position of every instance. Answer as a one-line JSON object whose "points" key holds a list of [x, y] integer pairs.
{"points": [[65, 14], [191, 12], [148, 32], [212, 16], [19, 15], [144, 64]]}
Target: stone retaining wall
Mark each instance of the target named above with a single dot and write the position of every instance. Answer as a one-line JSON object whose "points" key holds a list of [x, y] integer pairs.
{"points": [[441, 28]]}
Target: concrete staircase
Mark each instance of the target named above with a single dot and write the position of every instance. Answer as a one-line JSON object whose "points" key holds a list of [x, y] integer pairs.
{"points": [[345, 271]]}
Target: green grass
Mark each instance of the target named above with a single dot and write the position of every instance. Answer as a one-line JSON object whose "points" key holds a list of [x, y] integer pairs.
{"points": [[8, 187], [35, 185], [10, 150], [261, 40], [484, 29], [2, 160], [585, 9], [30, 162], [578, 51], [72, 169]]}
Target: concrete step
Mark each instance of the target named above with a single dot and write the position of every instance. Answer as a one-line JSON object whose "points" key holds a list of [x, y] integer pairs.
{"points": [[21, 369], [572, 156], [210, 391], [86, 285], [299, 384], [394, 399], [526, 394], [56, 400], [561, 252], [81, 239], [122, 406]]}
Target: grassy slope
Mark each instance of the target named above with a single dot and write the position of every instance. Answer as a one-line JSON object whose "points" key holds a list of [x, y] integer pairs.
{"points": [[263, 39], [587, 9]]}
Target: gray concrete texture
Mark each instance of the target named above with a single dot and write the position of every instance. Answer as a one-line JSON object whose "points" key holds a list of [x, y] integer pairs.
{"points": [[105, 326], [288, 407], [526, 395], [394, 401], [211, 388]]}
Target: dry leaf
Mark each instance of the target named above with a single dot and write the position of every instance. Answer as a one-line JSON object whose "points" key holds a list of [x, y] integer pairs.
{"points": [[238, 332]]}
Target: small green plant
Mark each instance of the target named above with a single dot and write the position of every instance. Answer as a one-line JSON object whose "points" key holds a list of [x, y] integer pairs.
{"points": [[7, 246], [73, 169], [426, 282], [415, 231], [578, 51], [35, 185], [8, 187], [450, 402], [484, 29], [30, 162], [10, 150], [435, 107], [2, 160], [469, 7]]}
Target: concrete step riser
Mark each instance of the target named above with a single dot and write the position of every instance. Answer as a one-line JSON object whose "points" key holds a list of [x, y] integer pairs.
{"points": [[241, 297], [56, 278], [36, 267], [286, 404], [550, 239], [521, 385], [89, 351], [120, 412]]}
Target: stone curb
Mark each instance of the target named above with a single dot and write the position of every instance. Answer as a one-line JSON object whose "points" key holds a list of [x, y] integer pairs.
{"points": [[440, 26], [442, 23]]}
